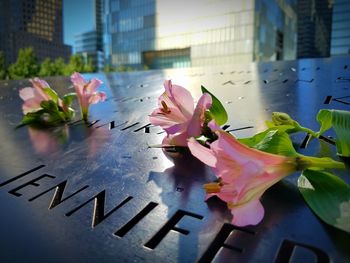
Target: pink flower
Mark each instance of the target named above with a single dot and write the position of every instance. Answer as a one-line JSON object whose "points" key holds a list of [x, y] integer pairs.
{"points": [[177, 116], [32, 97], [86, 92], [244, 174]]}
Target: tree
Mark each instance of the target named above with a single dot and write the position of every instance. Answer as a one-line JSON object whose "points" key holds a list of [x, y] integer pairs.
{"points": [[2, 66], [76, 64], [59, 66], [52, 68], [89, 66], [25, 66], [47, 68], [108, 68], [123, 68]]}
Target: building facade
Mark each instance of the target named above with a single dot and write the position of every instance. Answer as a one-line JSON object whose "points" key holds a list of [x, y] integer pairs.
{"points": [[90, 44], [314, 28], [168, 34], [32, 23], [340, 42], [275, 30]]}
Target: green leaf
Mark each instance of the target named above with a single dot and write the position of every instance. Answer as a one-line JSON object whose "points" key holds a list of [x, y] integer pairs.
{"points": [[49, 106], [68, 98], [30, 118], [341, 126], [272, 141], [69, 114], [252, 141], [324, 118], [217, 110], [277, 142], [328, 196], [52, 94]]}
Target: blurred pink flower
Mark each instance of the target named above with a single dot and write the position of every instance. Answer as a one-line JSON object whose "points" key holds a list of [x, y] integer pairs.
{"points": [[48, 141], [32, 97], [86, 92], [177, 116], [244, 174]]}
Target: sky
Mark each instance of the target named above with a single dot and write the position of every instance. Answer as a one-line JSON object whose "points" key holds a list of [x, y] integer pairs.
{"points": [[77, 18]]}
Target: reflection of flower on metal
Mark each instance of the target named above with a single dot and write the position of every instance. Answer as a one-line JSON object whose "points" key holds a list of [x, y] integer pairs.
{"points": [[96, 140], [46, 141]]}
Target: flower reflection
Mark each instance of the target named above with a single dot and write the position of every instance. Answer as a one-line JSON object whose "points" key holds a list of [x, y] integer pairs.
{"points": [[46, 141]]}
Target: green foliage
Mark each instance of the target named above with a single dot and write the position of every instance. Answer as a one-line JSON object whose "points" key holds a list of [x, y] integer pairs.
{"points": [[278, 142], [68, 98], [324, 118], [339, 120], [123, 68], [26, 65], [341, 126], [272, 141], [2, 66], [216, 110], [47, 68], [89, 67], [108, 68], [50, 114], [59, 66], [76, 64], [52, 68], [328, 196]]}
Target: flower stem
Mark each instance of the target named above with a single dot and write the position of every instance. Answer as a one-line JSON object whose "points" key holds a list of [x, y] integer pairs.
{"points": [[307, 130], [305, 162]]}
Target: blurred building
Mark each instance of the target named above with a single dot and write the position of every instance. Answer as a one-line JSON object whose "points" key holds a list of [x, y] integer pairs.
{"points": [[90, 44], [275, 30], [32, 23], [87, 44], [167, 34], [340, 42], [314, 28]]}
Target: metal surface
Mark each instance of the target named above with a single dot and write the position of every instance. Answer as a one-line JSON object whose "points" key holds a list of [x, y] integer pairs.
{"points": [[116, 200]]}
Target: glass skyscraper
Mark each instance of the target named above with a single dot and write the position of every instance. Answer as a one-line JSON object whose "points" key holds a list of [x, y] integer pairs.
{"points": [[90, 44], [35, 23], [168, 34], [314, 28], [340, 43]]}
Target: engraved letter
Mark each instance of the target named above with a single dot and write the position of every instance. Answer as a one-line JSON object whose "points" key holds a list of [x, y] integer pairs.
{"points": [[171, 225]]}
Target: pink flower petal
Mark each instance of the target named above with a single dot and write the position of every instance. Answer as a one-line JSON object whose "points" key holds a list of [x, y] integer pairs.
{"points": [[96, 97], [38, 89], [239, 151], [26, 93], [173, 122], [213, 126], [39, 83], [158, 118], [93, 85], [250, 213], [180, 97], [78, 80], [204, 154], [176, 139]]}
